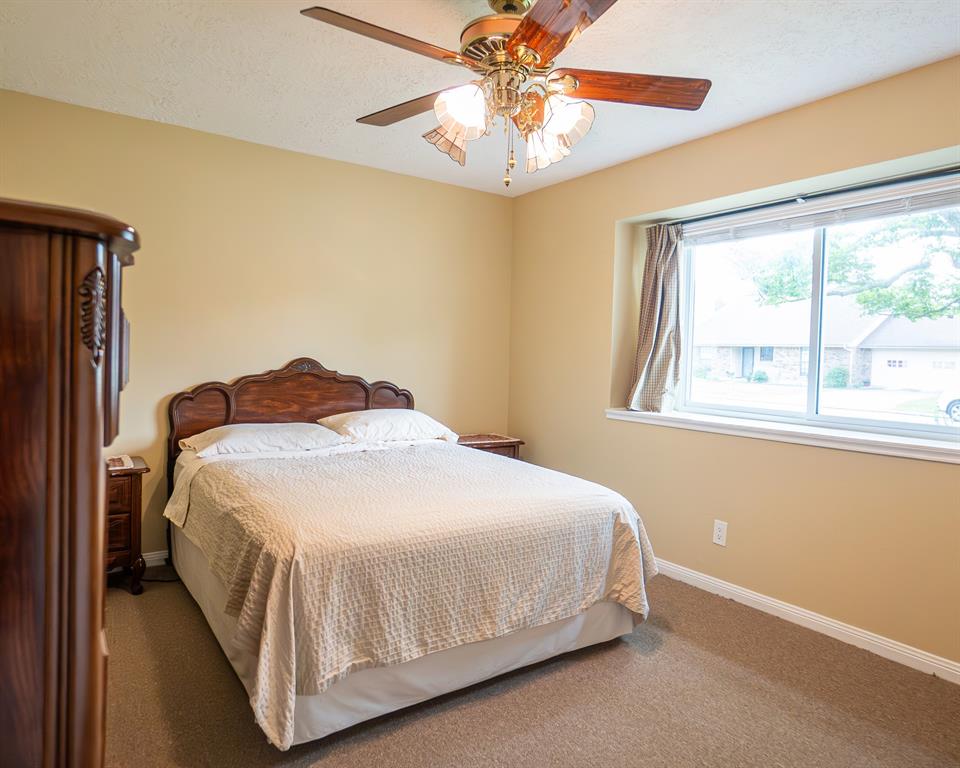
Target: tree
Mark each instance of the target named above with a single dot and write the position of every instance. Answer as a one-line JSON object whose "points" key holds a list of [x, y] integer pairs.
{"points": [[913, 291]]}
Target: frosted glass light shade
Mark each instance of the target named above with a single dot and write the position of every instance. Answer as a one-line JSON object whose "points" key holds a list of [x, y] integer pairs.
{"points": [[542, 150], [450, 143], [569, 120], [463, 110], [565, 122]]}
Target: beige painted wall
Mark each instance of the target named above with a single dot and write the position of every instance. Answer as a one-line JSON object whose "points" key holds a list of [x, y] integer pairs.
{"points": [[253, 256], [870, 540]]}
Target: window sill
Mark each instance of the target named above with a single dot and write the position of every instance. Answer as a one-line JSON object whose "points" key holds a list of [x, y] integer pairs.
{"points": [[844, 440]]}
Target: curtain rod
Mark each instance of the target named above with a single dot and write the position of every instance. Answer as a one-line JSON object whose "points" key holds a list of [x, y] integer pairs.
{"points": [[944, 170]]}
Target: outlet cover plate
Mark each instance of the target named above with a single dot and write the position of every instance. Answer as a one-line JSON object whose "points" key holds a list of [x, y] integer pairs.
{"points": [[720, 532]]}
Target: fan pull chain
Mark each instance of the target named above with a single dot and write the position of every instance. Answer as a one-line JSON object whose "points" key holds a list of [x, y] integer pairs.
{"points": [[511, 159]]}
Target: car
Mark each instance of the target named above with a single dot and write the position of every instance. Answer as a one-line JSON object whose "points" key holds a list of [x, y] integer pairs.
{"points": [[949, 403]]}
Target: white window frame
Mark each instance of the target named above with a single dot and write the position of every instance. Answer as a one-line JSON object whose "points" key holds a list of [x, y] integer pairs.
{"points": [[684, 405]]}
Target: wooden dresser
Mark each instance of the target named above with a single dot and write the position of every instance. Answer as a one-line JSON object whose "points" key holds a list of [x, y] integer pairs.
{"points": [[124, 495], [62, 363]]}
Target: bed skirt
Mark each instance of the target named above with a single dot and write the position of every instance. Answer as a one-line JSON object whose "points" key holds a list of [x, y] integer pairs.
{"points": [[373, 692]]}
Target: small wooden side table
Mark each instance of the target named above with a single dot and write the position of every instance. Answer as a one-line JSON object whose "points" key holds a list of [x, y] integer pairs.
{"points": [[124, 498], [493, 443]]}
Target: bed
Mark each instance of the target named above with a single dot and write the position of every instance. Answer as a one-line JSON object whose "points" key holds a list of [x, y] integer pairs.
{"points": [[347, 584]]}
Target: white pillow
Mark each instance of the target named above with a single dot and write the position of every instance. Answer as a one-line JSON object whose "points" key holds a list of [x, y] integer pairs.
{"points": [[382, 425], [260, 438]]}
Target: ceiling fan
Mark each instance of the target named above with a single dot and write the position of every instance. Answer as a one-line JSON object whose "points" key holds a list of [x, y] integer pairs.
{"points": [[512, 52]]}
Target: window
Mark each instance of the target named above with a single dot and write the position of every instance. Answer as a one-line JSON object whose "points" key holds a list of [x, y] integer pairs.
{"points": [[839, 311]]}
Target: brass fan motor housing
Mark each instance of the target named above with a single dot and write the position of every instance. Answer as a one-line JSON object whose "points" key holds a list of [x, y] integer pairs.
{"points": [[488, 35], [484, 40]]}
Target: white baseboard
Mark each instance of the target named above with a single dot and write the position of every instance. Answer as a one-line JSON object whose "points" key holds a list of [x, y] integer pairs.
{"points": [[861, 638], [155, 558]]}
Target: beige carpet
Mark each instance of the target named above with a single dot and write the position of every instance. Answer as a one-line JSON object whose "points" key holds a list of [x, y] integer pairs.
{"points": [[705, 682]]}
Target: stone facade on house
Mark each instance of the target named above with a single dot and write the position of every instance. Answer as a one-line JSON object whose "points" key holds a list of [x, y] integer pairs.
{"points": [[782, 365], [858, 364]]}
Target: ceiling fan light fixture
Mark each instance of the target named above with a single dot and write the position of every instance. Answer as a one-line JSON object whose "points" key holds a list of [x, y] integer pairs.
{"points": [[450, 143], [567, 119], [462, 110]]}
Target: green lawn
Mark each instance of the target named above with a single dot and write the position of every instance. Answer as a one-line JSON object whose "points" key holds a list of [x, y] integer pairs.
{"points": [[925, 406]]}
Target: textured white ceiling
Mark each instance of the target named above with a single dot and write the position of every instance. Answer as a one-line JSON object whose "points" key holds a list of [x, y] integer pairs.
{"points": [[260, 71]]}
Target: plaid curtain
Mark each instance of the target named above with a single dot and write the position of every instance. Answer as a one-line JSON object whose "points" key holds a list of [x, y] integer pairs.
{"points": [[656, 369]]}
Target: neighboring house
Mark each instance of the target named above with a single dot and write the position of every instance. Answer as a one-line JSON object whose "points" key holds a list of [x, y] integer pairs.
{"points": [[874, 350], [901, 348]]}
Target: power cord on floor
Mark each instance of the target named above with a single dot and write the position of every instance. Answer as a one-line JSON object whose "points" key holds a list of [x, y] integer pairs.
{"points": [[160, 573], [156, 574]]}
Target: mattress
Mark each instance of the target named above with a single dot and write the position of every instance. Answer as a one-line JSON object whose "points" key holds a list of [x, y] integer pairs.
{"points": [[380, 690]]}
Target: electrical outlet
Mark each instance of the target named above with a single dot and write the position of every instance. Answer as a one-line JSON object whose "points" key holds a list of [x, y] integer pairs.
{"points": [[720, 532]]}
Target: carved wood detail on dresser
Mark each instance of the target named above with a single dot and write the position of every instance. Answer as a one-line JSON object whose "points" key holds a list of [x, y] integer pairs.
{"points": [[61, 369]]}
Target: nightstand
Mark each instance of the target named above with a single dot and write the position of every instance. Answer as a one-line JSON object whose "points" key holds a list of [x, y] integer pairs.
{"points": [[124, 495], [493, 443]]}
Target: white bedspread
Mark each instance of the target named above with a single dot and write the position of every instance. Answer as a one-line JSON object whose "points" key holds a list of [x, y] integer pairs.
{"points": [[347, 559]]}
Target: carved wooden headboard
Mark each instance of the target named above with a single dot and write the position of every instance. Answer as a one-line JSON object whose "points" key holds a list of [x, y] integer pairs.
{"points": [[303, 390]]}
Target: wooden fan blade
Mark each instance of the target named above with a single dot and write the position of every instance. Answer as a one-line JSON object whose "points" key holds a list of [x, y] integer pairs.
{"points": [[385, 35], [399, 112], [551, 25], [646, 90]]}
